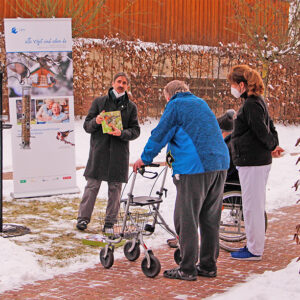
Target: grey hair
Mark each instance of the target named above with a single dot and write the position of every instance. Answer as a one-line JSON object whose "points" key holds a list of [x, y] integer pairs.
{"points": [[174, 87], [59, 105]]}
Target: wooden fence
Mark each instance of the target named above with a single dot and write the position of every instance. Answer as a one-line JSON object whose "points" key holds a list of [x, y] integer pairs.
{"points": [[200, 22]]}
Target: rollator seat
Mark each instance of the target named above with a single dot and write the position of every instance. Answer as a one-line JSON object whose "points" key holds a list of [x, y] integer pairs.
{"points": [[143, 200]]}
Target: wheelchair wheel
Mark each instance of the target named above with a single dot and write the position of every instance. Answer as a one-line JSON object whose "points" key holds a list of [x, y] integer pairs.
{"points": [[154, 267], [232, 229], [266, 222], [135, 253], [107, 261]]}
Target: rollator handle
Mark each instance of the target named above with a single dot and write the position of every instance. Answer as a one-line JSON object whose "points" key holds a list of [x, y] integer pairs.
{"points": [[153, 165], [142, 171]]}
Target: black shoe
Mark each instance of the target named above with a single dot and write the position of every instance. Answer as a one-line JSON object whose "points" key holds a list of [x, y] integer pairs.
{"points": [[82, 224], [178, 274], [108, 229], [206, 273]]}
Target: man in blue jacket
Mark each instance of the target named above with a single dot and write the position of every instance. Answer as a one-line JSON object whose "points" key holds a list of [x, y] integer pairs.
{"points": [[199, 158]]}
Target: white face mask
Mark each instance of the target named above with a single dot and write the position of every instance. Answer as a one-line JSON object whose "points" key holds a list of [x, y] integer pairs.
{"points": [[235, 92]]}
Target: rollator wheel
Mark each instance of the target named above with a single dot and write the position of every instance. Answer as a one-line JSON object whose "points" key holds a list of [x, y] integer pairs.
{"points": [[177, 256], [107, 261], [154, 268], [135, 253]]}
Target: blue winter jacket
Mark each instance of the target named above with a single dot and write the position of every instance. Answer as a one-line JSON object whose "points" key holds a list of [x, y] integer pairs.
{"points": [[192, 131]]}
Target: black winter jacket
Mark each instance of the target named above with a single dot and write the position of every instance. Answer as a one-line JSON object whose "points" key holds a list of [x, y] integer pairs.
{"points": [[232, 173], [254, 136], [109, 155]]}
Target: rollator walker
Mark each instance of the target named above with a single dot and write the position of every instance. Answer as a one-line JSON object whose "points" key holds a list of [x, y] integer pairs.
{"points": [[134, 227]]}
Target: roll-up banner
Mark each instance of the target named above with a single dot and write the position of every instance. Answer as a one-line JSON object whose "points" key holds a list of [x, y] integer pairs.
{"points": [[41, 106]]}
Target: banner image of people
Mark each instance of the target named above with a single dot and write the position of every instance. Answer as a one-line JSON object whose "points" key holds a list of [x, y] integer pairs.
{"points": [[41, 105], [52, 110]]}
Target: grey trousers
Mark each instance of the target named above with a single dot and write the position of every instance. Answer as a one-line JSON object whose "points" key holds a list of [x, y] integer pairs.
{"points": [[87, 203], [199, 203]]}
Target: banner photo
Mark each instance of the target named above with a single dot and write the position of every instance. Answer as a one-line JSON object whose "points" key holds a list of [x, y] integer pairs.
{"points": [[41, 106]]}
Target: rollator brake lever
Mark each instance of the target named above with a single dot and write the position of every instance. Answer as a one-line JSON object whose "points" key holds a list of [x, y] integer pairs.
{"points": [[160, 194], [165, 190]]}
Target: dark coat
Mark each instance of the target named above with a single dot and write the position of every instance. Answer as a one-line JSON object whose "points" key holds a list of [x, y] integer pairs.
{"points": [[254, 136], [109, 155], [232, 173]]}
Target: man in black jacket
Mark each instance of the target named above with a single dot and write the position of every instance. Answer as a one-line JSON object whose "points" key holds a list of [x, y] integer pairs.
{"points": [[109, 152]]}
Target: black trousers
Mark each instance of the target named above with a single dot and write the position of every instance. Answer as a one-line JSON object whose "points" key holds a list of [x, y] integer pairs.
{"points": [[199, 204]]}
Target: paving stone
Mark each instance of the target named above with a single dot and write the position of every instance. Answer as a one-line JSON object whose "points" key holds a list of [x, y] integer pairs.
{"points": [[125, 280]]}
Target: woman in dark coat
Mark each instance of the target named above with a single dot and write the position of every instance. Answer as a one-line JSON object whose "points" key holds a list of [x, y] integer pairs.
{"points": [[253, 139], [109, 152]]}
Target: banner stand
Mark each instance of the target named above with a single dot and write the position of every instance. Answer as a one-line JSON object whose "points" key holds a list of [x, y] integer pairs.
{"points": [[6, 230], [39, 66]]}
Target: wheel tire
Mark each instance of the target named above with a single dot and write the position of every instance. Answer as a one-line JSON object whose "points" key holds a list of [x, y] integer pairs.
{"points": [[177, 256], [134, 254], [233, 242], [154, 266], [107, 261], [266, 222]]}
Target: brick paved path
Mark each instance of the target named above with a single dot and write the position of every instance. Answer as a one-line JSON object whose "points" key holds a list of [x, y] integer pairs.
{"points": [[125, 279]]}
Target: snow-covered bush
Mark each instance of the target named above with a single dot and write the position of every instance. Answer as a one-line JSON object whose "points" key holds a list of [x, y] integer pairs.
{"points": [[151, 65]]}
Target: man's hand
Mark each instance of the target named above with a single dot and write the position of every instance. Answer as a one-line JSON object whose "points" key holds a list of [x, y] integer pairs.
{"points": [[277, 152], [116, 131], [99, 118], [137, 165]]}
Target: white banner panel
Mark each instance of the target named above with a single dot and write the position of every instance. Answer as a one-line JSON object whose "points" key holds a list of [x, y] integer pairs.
{"points": [[28, 35], [41, 105]]}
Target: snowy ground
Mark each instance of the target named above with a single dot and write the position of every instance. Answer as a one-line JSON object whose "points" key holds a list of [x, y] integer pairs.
{"points": [[19, 266]]}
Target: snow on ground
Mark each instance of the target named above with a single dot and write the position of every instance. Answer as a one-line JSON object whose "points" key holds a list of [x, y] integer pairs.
{"points": [[20, 266], [279, 285]]}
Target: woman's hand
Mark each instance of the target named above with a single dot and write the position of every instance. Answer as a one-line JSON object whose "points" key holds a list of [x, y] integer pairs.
{"points": [[277, 152]]}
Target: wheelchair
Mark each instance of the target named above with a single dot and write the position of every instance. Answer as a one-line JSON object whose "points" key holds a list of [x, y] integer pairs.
{"points": [[232, 235]]}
